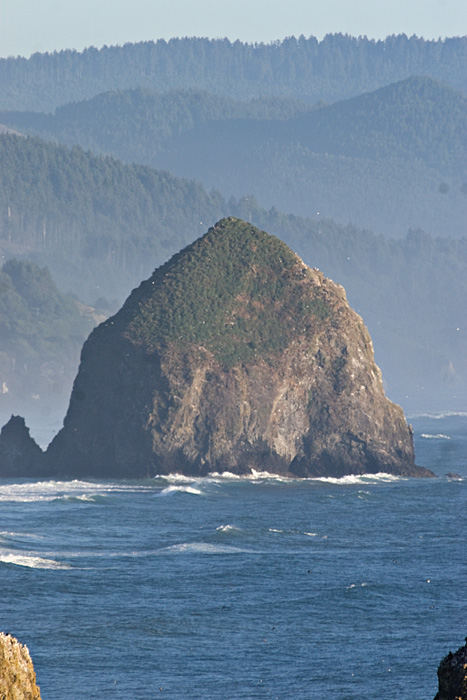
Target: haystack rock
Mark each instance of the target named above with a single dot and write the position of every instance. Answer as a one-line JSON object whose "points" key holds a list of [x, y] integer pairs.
{"points": [[17, 676], [19, 453], [233, 356], [452, 676]]}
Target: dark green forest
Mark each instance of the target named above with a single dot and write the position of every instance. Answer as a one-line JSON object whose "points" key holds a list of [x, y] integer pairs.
{"points": [[335, 68], [102, 226], [98, 224], [387, 160]]}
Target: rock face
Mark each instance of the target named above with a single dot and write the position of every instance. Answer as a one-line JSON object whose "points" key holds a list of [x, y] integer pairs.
{"points": [[452, 676], [17, 677], [19, 453], [234, 355]]}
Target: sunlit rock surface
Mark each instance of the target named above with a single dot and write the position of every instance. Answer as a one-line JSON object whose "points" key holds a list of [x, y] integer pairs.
{"points": [[233, 356], [17, 676]]}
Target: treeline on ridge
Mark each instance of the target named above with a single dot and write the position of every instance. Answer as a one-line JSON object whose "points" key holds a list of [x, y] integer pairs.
{"points": [[303, 68], [102, 226], [387, 160]]}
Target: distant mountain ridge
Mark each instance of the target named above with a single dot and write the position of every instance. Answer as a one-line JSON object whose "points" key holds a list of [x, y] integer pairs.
{"points": [[334, 68], [388, 160], [108, 224]]}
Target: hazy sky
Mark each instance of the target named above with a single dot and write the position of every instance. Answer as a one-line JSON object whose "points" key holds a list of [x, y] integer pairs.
{"points": [[27, 26]]}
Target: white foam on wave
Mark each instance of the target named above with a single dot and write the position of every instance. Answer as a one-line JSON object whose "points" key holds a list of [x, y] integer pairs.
{"points": [[440, 436], [253, 476], [260, 476], [296, 532], [228, 528], [439, 416], [32, 561], [175, 478], [357, 585], [6, 534], [169, 490], [360, 478], [46, 491], [225, 476], [201, 548]]}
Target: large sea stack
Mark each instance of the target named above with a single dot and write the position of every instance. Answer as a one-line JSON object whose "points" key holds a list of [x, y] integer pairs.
{"points": [[19, 453], [233, 356]]}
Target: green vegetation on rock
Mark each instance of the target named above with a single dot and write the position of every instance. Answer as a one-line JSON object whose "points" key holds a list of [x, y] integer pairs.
{"points": [[235, 292]]}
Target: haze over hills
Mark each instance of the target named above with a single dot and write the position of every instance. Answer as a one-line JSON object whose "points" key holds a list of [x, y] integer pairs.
{"points": [[100, 226], [41, 334], [255, 122], [335, 68], [389, 160]]}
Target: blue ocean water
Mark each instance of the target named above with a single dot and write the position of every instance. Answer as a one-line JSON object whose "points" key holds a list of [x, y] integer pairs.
{"points": [[241, 588]]}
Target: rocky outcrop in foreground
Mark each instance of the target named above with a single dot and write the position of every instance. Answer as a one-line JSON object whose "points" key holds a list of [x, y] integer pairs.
{"points": [[233, 356], [17, 676], [452, 676], [19, 453]]}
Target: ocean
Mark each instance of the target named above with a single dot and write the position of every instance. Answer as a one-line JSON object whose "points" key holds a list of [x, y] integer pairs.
{"points": [[234, 588]]}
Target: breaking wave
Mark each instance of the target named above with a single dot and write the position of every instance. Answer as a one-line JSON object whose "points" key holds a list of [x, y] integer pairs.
{"points": [[202, 548], [439, 416], [381, 477], [297, 532], [76, 490], [170, 490], [32, 561], [228, 528], [440, 436], [178, 480]]}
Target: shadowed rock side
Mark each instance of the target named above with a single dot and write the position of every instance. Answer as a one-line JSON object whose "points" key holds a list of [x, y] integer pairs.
{"points": [[17, 677], [234, 355], [452, 676], [19, 453]]}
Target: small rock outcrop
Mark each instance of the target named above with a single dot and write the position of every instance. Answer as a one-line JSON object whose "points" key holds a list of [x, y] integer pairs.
{"points": [[452, 676], [233, 356], [17, 676], [19, 453]]}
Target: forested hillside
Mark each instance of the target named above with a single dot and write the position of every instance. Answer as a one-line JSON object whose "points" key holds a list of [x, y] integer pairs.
{"points": [[337, 67], [102, 226], [138, 124], [387, 160], [41, 334], [99, 225]]}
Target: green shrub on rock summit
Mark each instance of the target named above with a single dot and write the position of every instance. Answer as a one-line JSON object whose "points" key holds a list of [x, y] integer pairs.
{"points": [[235, 291]]}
